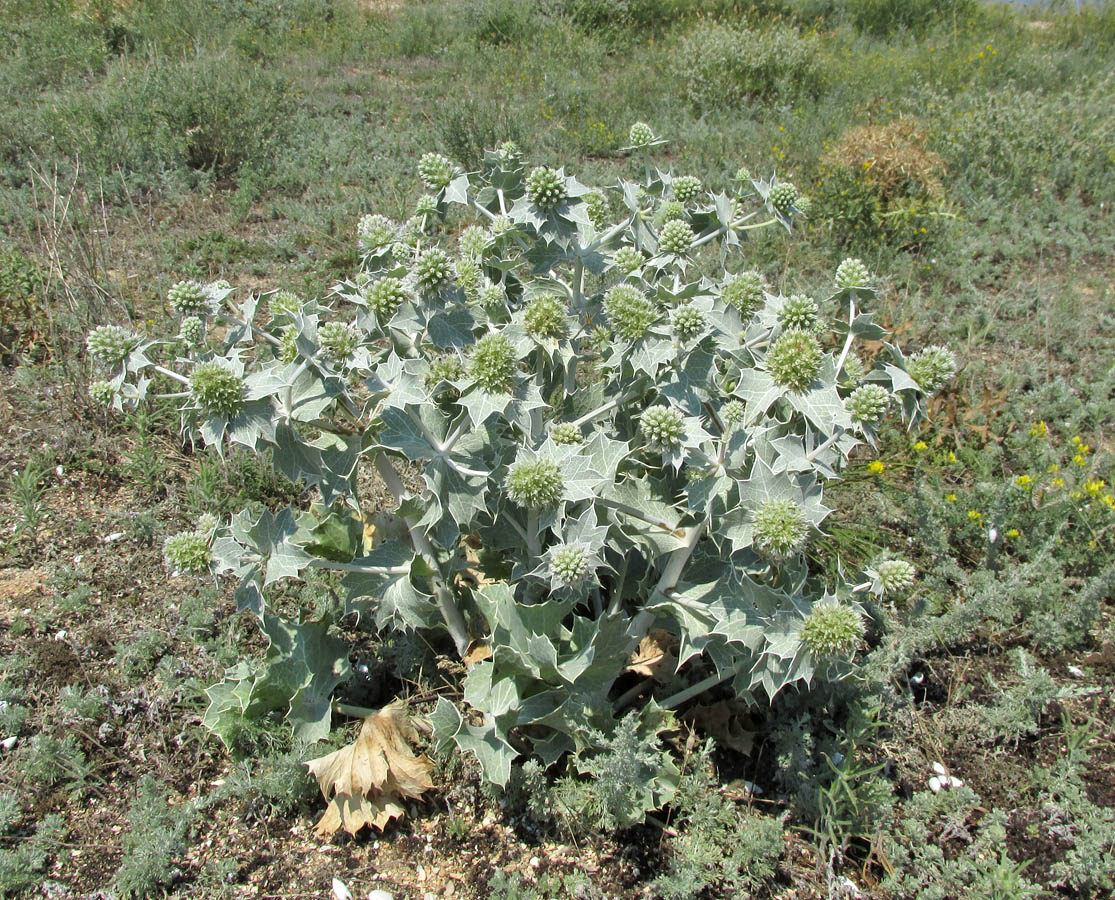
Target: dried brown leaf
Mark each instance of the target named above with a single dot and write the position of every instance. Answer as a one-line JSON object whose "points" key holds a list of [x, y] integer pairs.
{"points": [[727, 722], [655, 656]]}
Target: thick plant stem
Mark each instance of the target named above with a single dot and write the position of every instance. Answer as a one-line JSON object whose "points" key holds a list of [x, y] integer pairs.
{"points": [[851, 336], [181, 379], [676, 565], [534, 543], [699, 688], [356, 567], [639, 514], [454, 621]]}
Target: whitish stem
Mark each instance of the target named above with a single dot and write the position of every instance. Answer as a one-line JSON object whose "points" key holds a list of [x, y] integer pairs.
{"points": [[578, 283], [679, 558], [450, 442], [181, 379], [611, 233], [700, 687], [502, 202], [600, 410], [639, 514], [534, 543], [711, 236], [757, 225], [356, 567], [851, 336], [177, 396], [821, 448]]}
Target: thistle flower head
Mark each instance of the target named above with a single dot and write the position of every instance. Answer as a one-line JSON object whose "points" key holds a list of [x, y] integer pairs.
{"points": [[895, 575], [568, 565], [426, 205], [288, 345], [433, 269], [501, 225], [103, 392], [852, 273], [687, 188], [783, 196], [283, 303], [598, 208], [932, 368], [629, 311], [207, 523], [216, 388], [687, 322], [188, 298], [444, 368], [546, 188], [670, 209], [545, 318], [805, 205], [640, 135], [339, 340], [474, 241], [627, 260], [868, 403], [401, 252], [731, 413], [662, 427], [436, 171], [188, 552], [780, 528], [745, 292], [374, 232], [832, 630], [799, 311], [192, 331], [493, 363], [794, 360], [675, 237], [470, 275], [492, 296], [566, 433], [384, 296], [743, 175], [853, 367], [535, 483], [110, 344], [509, 151]]}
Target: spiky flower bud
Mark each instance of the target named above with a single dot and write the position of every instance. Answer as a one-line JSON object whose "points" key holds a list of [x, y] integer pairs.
{"points": [[745, 292], [474, 241], [374, 232], [731, 413], [662, 427], [207, 523], [444, 368], [853, 367], [545, 187], [493, 296], [283, 303], [805, 205], [895, 575], [414, 230], [111, 344], [783, 196], [509, 151], [832, 630], [627, 260], [868, 403], [470, 275], [780, 528], [216, 388], [598, 208], [288, 345], [545, 318], [743, 175], [675, 237], [401, 253], [188, 552], [188, 298], [103, 392], [852, 273], [436, 171], [670, 209], [687, 188], [384, 296], [339, 340], [568, 565], [640, 135], [493, 363], [535, 483], [192, 331], [629, 311], [932, 367], [433, 269], [688, 322], [799, 311], [566, 433], [794, 360], [426, 205], [501, 225]]}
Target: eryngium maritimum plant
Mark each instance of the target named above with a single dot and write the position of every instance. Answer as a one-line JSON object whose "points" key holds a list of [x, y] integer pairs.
{"points": [[592, 412]]}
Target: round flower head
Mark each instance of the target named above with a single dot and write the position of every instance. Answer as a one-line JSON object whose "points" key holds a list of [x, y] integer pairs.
{"points": [[640, 135], [192, 331], [853, 367], [283, 303], [436, 171], [895, 575], [868, 403], [799, 311], [535, 483], [188, 298], [745, 292], [374, 232], [433, 269], [783, 196], [474, 241], [743, 175], [188, 552], [662, 427], [384, 296], [288, 345], [688, 322], [932, 367], [675, 237], [568, 565], [629, 311], [492, 296], [339, 340], [426, 205], [832, 630], [414, 230], [780, 528], [207, 523], [509, 151], [794, 360], [501, 225], [852, 273], [627, 260], [596, 204], [470, 276], [216, 388], [546, 188], [401, 253], [110, 344], [731, 413], [444, 368], [493, 363], [545, 318], [102, 392], [565, 433], [687, 188], [670, 209], [804, 204]]}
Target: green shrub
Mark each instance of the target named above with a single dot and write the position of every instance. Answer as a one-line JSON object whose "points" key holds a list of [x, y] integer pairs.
{"points": [[158, 834], [884, 17]]}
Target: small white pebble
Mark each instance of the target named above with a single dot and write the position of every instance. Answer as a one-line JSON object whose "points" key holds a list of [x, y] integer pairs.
{"points": [[935, 784], [61, 635], [340, 891], [58, 471], [379, 895], [1076, 671], [535, 862], [79, 558], [8, 743], [115, 536]]}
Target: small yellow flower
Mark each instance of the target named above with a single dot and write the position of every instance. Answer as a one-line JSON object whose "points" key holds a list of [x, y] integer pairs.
{"points": [[951, 498], [921, 445], [1094, 487], [1023, 481], [1058, 482], [875, 467], [1013, 533], [1076, 495], [951, 457], [1038, 429], [975, 515], [1108, 500], [1080, 460], [1054, 467]]}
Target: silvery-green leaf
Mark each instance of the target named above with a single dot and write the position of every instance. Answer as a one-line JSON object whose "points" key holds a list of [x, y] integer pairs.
{"points": [[490, 749]]}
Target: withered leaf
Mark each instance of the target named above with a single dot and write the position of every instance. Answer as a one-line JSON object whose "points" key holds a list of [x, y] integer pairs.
{"points": [[366, 781], [727, 722], [655, 656]]}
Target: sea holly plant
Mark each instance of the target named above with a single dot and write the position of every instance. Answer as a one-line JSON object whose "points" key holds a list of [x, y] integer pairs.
{"points": [[612, 424]]}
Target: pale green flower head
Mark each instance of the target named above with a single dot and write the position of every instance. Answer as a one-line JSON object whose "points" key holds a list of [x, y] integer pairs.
{"points": [[493, 363], [436, 171], [640, 135], [566, 433], [470, 275], [110, 344], [288, 345], [745, 292], [783, 196], [687, 188], [731, 413], [474, 241], [896, 576], [192, 331], [283, 303], [687, 322], [535, 483], [868, 404], [676, 237], [216, 389], [780, 528], [102, 392], [794, 360], [852, 273], [598, 209], [799, 311], [188, 553], [545, 188], [188, 298], [338, 340], [662, 427], [627, 260], [629, 311], [384, 295], [374, 232], [545, 318], [568, 565], [832, 630], [433, 269], [932, 368]]}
